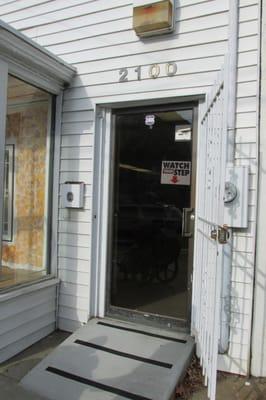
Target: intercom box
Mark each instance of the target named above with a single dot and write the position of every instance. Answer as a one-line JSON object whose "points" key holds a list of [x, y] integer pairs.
{"points": [[73, 195], [236, 211]]}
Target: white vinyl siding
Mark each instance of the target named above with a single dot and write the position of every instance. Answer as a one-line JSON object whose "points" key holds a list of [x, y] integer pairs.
{"points": [[246, 153], [26, 316], [96, 37]]}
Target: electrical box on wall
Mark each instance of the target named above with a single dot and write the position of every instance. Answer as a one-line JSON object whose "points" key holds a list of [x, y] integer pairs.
{"points": [[153, 17], [236, 197], [73, 195]]}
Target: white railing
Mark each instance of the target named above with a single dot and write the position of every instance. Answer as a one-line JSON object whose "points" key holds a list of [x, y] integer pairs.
{"points": [[208, 254]]}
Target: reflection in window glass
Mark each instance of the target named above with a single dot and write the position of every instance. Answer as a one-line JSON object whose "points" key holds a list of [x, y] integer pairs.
{"points": [[25, 213]]}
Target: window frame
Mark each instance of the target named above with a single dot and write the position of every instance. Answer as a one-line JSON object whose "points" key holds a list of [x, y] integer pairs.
{"points": [[34, 65], [8, 236]]}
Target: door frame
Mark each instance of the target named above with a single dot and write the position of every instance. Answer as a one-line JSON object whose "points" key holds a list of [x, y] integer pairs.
{"points": [[102, 197]]}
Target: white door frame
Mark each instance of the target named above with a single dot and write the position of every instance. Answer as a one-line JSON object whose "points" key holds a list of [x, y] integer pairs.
{"points": [[102, 162], [102, 181]]}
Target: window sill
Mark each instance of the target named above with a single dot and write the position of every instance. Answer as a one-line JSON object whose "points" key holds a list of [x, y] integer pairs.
{"points": [[30, 287]]}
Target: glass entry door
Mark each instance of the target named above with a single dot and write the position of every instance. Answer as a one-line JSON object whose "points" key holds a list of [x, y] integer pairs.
{"points": [[151, 236]]}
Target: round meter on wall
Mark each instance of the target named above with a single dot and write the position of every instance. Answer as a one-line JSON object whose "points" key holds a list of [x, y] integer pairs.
{"points": [[230, 192]]}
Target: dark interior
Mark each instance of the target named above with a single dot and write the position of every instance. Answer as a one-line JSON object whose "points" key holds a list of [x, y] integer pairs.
{"points": [[149, 269]]}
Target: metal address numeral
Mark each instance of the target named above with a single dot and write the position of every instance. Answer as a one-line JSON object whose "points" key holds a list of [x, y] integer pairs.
{"points": [[171, 69], [154, 71], [138, 71], [124, 73]]}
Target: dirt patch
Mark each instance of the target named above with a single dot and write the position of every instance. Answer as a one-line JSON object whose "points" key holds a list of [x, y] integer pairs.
{"points": [[192, 382], [229, 386]]}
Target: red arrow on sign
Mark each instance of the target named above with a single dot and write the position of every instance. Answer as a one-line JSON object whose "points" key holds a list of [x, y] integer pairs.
{"points": [[174, 179]]}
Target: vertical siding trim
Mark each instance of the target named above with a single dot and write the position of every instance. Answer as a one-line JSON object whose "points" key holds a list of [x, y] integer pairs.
{"points": [[100, 211], [56, 198], [56, 169], [257, 188], [254, 238], [258, 335]]}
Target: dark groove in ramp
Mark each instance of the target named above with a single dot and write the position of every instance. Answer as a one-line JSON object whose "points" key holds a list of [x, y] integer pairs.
{"points": [[98, 385], [123, 354], [122, 328]]}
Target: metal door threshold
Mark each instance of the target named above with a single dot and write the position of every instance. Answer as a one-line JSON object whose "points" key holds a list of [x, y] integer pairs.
{"points": [[112, 360]]}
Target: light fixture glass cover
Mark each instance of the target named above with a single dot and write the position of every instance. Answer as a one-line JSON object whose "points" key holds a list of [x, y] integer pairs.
{"points": [[153, 18]]}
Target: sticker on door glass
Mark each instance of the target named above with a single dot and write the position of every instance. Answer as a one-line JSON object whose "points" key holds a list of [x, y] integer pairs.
{"points": [[176, 173]]}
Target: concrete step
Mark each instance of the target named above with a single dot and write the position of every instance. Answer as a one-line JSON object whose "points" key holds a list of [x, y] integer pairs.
{"points": [[113, 360]]}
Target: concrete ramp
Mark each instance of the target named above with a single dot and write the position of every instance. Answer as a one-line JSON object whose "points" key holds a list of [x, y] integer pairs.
{"points": [[112, 360]]}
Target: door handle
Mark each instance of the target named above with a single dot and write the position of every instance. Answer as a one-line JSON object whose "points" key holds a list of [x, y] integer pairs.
{"points": [[188, 216]]}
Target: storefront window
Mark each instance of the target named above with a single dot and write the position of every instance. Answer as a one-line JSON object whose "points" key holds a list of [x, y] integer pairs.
{"points": [[26, 185]]}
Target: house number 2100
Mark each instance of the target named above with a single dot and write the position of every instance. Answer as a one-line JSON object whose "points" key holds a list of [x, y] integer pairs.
{"points": [[154, 71]]}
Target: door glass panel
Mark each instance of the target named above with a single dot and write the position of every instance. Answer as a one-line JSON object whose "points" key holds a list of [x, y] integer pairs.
{"points": [[152, 188], [26, 183]]}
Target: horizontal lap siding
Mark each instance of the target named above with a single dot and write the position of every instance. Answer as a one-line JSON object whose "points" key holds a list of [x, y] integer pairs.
{"points": [[26, 319], [97, 38]]}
